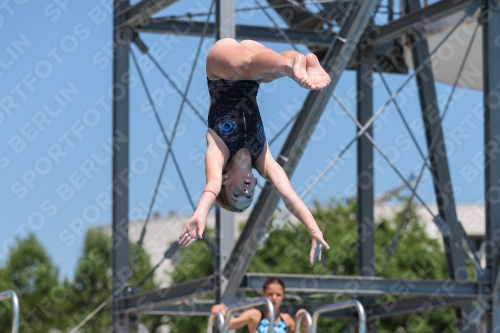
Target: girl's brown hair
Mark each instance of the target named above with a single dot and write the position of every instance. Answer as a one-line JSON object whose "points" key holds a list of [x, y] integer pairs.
{"points": [[271, 280]]}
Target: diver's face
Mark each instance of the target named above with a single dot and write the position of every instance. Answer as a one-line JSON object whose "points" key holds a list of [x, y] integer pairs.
{"points": [[240, 188]]}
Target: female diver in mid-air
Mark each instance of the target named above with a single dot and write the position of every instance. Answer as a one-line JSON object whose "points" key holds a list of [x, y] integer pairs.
{"points": [[235, 136]]}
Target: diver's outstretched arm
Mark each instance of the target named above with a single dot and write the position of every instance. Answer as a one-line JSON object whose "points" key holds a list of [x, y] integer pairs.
{"points": [[272, 171], [214, 162]]}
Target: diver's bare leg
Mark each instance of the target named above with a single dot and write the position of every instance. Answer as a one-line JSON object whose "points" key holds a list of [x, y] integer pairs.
{"points": [[230, 60]]}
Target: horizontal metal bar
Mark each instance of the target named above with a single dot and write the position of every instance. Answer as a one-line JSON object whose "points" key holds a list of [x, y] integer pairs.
{"points": [[142, 6], [192, 28], [417, 19], [141, 12], [375, 311], [353, 286], [188, 309], [363, 285], [416, 304], [204, 308], [151, 299], [387, 56]]}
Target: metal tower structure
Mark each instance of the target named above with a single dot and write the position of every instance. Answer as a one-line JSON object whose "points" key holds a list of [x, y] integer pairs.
{"points": [[343, 35]]}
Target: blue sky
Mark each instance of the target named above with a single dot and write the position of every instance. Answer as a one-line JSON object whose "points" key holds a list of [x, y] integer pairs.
{"points": [[55, 125]]}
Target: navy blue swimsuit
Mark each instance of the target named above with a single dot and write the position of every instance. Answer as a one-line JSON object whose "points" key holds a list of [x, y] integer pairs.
{"points": [[235, 117]]}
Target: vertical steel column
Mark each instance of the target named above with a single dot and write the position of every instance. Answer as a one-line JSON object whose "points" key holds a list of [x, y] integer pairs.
{"points": [[224, 242], [390, 9], [120, 260], [224, 17], [491, 85], [224, 220], [366, 225], [439, 161]]}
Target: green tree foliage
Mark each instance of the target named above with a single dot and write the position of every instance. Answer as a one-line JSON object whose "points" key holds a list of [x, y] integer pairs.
{"points": [[48, 304], [92, 283], [195, 262], [416, 257], [30, 273]]}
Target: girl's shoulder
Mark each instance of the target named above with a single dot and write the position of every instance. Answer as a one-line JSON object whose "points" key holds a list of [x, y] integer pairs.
{"points": [[288, 319], [253, 313], [253, 316]]}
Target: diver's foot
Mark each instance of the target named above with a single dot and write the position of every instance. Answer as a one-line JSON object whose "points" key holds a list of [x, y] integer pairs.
{"points": [[317, 75], [299, 72]]}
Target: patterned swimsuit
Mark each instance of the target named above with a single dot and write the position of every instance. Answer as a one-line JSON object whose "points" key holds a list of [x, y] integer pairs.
{"points": [[235, 117], [264, 325]]}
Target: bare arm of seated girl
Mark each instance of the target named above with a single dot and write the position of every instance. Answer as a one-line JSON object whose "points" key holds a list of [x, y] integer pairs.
{"points": [[248, 318], [214, 162], [272, 171], [290, 323]]}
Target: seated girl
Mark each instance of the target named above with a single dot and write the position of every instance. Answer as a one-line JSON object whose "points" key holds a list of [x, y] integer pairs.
{"points": [[256, 320]]}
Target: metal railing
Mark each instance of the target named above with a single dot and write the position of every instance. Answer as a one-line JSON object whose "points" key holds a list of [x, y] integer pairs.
{"points": [[220, 322], [15, 308], [337, 307], [299, 319], [250, 304]]}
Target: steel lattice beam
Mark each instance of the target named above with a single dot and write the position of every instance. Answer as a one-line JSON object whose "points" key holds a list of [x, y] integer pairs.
{"points": [[224, 220], [389, 55], [416, 304], [141, 12], [377, 311], [299, 33], [457, 269], [416, 20], [432, 290], [204, 309], [120, 248], [150, 299], [435, 138], [193, 28], [362, 285], [491, 84], [365, 207]]}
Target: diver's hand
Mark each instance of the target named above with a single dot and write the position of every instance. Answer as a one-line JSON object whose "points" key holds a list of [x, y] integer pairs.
{"points": [[317, 243], [192, 231]]}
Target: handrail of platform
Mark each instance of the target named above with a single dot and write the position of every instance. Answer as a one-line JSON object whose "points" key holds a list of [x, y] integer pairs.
{"points": [[340, 306], [15, 308], [299, 319], [250, 304], [220, 322]]}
